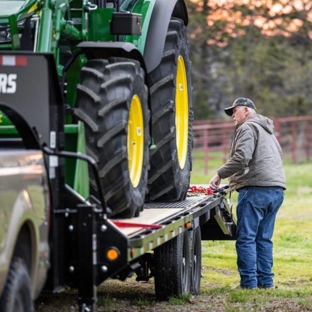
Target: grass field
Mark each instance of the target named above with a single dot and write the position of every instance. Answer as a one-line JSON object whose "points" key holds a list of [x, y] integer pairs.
{"points": [[292, 265], [292, 248]]}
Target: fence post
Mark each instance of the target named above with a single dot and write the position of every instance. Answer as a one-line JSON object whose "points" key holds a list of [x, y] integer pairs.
{"points": [[294, 138], [224, 147], [277, 126], [307, 139], [206, 150]]}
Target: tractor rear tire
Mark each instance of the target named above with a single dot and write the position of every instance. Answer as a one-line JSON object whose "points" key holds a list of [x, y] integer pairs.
{"points": [[16, 296], [112, 103], [172, 268], [172, 117]]}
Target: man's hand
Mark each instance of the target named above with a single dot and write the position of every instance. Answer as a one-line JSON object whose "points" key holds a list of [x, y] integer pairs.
{"points": [[215, 182]]}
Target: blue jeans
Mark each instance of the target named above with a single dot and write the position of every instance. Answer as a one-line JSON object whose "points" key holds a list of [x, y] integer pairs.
{"points": [[256, 213]]}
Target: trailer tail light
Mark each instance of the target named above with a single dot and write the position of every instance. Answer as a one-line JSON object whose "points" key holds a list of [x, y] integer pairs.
{"points": [[11, 60], [112, 254], [188, 224]]}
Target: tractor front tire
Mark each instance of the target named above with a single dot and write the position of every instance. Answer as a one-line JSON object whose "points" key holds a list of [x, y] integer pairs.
{"points": [[112, 103], [172, 117]]}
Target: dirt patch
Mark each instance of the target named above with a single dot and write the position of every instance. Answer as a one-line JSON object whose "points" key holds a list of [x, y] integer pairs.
{"points": [[116, 296]]}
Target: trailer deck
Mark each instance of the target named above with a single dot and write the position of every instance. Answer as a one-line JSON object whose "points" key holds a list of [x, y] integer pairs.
{"points": [[160, 222]]}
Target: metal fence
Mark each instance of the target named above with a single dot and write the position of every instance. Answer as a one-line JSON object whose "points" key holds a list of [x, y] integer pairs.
{"points": [[211, 136]]}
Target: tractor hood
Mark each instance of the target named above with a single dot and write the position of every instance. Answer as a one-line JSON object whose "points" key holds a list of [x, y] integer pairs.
{"points": [[8, 8]]}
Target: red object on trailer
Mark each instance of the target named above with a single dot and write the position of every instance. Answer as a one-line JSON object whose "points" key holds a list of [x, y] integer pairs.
{"points": [[201, 189], [123, 224]]}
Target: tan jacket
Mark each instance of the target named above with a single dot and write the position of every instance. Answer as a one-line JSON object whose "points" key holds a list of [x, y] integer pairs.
{"points": [[255, 156]]}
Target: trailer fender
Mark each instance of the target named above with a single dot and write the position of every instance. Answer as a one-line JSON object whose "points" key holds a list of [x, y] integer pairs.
{"points": [[163, 11]]}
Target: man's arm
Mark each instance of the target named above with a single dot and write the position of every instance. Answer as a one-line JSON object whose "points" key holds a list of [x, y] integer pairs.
{"points": [[244, 148]]}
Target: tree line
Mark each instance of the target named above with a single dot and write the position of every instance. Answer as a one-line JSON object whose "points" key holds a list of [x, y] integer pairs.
{"points": [[261, 49]]}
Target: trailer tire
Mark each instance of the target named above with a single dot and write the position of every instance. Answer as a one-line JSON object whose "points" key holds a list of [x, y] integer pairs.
{"points": [[112, 103], [172, 117], [16, 296], [172, 267], [196, 260]]}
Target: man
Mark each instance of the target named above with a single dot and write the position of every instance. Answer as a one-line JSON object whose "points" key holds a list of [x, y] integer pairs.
{"points": [[255, 170]]}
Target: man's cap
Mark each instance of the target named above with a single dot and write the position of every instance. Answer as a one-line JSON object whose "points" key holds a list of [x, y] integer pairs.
{"points": [[241, 101]]}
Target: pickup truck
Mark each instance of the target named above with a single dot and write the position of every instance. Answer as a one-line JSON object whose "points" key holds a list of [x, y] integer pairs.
{"points": [[24, 249]]}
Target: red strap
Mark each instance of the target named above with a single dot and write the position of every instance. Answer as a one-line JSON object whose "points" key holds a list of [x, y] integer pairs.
{"points": [[122, 224], [201, 189]]}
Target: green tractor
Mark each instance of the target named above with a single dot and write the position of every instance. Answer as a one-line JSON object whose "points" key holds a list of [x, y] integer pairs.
{"points": [[125, 76]]}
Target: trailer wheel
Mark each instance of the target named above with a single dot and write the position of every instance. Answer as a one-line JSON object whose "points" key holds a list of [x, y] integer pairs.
{"points": [[172, 267], [112, 102], [16, 296], [172, 117], [196, 261]]}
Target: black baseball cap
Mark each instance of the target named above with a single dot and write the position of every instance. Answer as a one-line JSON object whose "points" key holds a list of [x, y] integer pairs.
{"points": [[241, 101]]}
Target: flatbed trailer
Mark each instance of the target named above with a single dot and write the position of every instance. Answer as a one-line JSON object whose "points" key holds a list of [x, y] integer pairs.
{"points": [[173, 219], [159, 244], [86, 246]]}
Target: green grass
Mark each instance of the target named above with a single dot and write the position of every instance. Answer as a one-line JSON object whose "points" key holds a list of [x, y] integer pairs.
{"points": [[179, 300], [292, 265], [292, 250]]}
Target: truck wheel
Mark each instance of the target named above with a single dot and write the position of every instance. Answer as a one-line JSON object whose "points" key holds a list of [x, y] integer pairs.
{"points": [[16, 296], [112, 102], [172, 116], [196, 261], [172, 267]]}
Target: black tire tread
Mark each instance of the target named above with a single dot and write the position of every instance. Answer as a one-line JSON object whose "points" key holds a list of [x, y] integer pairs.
{"points": [[168, 262], [103, 104], [196, 251], [166, 109], [161, 170], [162, 91]]}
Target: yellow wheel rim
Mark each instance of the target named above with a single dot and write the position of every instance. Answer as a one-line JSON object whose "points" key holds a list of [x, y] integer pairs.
{"points": [[182, 112], [135, 141]]}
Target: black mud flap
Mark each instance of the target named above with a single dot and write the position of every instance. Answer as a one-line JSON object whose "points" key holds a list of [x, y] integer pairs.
{"points": [[222, 224]]}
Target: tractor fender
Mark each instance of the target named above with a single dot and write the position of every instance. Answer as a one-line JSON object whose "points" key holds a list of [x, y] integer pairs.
{"points": [[95, 50], [163, 11]]}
